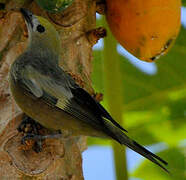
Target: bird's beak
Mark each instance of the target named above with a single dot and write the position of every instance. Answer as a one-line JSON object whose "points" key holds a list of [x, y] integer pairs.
{"points": [[28, 16]]}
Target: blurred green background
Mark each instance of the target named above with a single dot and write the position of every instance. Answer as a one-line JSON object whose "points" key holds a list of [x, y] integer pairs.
{"points": [[153, 104]]}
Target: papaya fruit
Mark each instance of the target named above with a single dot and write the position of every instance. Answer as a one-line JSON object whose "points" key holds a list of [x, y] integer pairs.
{"points": [[145, 28]]}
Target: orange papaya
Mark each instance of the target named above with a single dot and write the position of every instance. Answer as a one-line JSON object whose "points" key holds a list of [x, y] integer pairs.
{"points": [[145, 28]]}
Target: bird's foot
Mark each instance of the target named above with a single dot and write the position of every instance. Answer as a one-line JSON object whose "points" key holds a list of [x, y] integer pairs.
{"points": [[38, 139], [28, 125], [35, 134]]}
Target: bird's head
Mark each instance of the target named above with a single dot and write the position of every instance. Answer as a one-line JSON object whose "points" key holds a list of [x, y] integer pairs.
{"points": [[42, 33]]}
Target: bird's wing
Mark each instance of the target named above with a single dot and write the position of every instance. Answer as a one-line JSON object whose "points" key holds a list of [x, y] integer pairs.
{"points": [[60, 90], [83, 97]]}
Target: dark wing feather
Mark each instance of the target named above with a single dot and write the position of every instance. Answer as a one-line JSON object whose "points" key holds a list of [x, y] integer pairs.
{"points": [[84, 98], [64, 94], [61, 86]]}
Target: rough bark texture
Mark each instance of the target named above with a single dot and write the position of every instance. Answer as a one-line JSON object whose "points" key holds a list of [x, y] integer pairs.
{"points": [[60, 159]]}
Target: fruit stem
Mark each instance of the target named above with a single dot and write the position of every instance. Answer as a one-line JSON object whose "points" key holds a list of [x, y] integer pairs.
{"points": [[113, 94]]}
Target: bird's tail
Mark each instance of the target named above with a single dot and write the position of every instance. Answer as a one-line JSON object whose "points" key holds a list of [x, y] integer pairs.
{"points": [[123, 139]]}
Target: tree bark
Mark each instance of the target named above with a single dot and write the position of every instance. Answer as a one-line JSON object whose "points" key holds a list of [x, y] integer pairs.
{"points": [[60, 159]]}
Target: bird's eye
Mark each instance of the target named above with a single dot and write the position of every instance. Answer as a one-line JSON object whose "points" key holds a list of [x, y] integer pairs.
{"points": [[40, 28]]}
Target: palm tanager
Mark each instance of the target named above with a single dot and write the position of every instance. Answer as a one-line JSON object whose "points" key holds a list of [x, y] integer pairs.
{"points": [[46, 93]]}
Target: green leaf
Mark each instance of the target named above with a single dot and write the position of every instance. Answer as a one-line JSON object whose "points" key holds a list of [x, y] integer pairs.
{"points": [[54, 5], [113, 88], [177, 166]]}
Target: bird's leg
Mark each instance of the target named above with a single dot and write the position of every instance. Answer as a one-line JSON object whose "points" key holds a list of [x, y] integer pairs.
{"points": [[35, 133], [39, 140]]}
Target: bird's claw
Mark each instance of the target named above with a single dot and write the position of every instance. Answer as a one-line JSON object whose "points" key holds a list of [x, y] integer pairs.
{"points": [[35, 134], [28, 125], [36, 141]]}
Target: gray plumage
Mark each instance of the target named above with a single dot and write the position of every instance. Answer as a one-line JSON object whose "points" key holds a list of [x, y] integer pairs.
{"points": [[37, 72]]}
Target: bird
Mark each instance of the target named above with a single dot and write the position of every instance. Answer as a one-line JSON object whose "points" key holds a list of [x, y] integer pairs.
{"points": [[51, 97]]}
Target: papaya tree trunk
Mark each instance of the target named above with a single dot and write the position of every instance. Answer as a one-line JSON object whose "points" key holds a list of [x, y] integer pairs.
{"points": [[60, 159]]}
